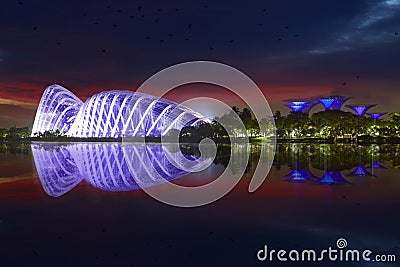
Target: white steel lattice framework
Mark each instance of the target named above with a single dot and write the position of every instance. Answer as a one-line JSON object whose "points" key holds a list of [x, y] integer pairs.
{"points": [[110, 114]]}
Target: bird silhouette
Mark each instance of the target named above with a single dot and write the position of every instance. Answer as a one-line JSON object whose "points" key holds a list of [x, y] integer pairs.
{"points": [[344, 83], [139, 8], [357, 76], [296, 35], [395, 33], [286, 27], [169, 34], [103, 50], [231, 41], [34, 28], [119, 10], [264, 10], [279, 39], [59, 43], [190, 26]]}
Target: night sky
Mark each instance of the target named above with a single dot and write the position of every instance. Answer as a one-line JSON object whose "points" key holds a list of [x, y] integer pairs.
{"points": [[289, 48]]}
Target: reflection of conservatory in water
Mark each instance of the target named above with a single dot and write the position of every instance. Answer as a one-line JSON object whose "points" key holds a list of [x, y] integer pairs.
{"points": [[109, 166]]}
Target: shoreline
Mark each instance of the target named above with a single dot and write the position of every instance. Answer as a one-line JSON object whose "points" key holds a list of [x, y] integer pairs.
{"points": [[252, 140]]}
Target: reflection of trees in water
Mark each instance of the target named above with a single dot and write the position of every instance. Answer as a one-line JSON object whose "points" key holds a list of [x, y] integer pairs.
{"points": [[15, 148], [335, 157]]}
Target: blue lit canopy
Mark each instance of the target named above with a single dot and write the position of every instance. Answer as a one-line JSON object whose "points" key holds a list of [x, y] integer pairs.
{"points": [[334, 102], [110, 114], [376, 116], [360, 109]]}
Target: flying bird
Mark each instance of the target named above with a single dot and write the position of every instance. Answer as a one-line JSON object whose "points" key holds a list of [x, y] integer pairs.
{"points": [[139, 8], [344, 83]]}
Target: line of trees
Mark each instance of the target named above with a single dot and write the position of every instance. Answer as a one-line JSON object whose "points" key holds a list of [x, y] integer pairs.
{"points": [[325, 124], [335, 124]]}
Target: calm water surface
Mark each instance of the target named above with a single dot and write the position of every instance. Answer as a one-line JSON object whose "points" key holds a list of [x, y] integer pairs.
{"points": [[75, 205]]}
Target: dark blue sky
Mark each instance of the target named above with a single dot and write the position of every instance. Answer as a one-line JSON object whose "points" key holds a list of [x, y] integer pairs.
{"points": [[289, 48]]}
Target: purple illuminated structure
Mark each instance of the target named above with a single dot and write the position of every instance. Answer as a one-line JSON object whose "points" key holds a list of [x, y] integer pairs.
{"points": [[360, 171], [334, 102], [332, 178], [360, 109], [110, 167], [301, 105], [376, 116], [110, 114], [298, 105]]}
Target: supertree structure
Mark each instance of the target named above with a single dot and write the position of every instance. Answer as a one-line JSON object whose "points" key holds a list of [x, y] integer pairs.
{"points": [[360, 109], [334, 102], [301, 105], [376, 116]]}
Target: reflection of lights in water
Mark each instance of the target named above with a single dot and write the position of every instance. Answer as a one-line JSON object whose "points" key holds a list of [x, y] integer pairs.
{"points": [[376, 165], [332, 178], [104, 166], [299, 176], [360, 171]]}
